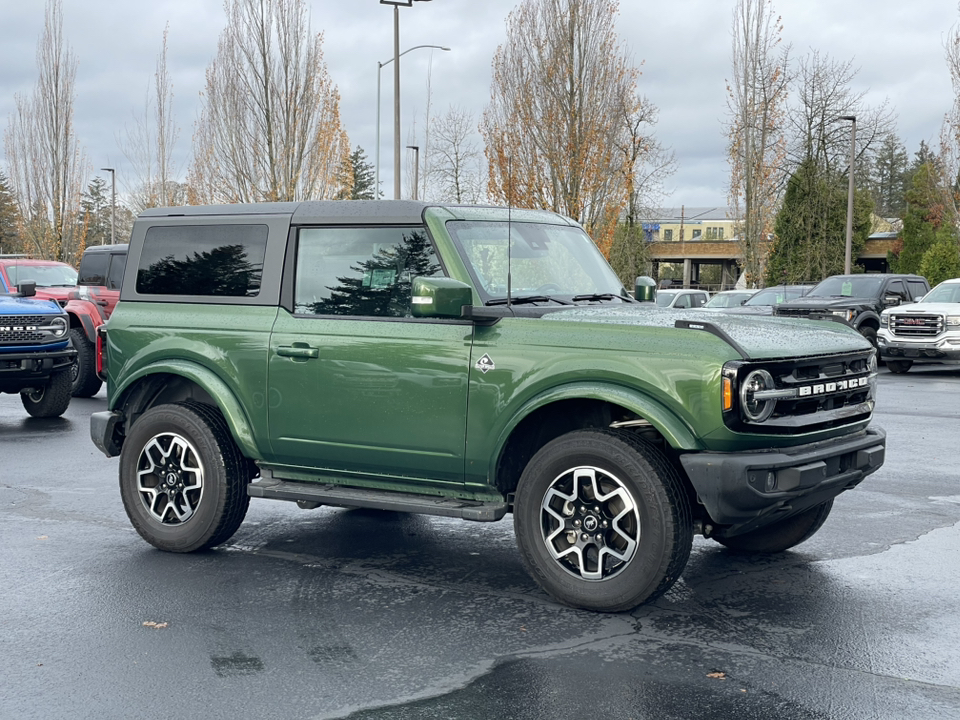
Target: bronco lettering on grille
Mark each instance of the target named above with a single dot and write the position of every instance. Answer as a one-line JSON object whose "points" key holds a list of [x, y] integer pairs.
{"points": [[832, 387]]}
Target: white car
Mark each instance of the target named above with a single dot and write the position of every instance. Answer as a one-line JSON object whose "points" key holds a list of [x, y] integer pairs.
{"points": [[927, 331], [678, 299]]}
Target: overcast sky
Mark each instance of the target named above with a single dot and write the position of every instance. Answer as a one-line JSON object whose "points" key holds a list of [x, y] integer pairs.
{"points": [[683, 46]]}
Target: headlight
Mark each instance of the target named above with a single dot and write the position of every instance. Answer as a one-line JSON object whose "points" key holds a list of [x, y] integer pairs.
{"points": [[884, 320], [757, 410], [953, 320], [845, 314], [58, 326]]}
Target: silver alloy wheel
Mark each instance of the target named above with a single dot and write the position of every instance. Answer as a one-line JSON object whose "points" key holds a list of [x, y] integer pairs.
{"points": [[590, 523], [170, 478]]}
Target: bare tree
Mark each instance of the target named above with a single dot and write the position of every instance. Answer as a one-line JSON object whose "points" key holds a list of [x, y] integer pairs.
{"points": [[757, 144], [150, 143], [270, 125], [47, 167], [950, 129], [552, 128], [457, 171]]}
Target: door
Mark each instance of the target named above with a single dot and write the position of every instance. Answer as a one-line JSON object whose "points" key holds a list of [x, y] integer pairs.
{"points": [[356, 385]]}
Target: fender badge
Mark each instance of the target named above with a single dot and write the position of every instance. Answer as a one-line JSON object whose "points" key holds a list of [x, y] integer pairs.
{"points": [[485, 364]]}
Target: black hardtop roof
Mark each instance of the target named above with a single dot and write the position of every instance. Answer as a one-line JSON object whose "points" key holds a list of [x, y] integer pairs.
{"points": [[116, 247], [336, 212]]}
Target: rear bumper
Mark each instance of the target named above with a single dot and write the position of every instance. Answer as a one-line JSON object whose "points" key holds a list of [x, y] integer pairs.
{"points": [[745, 491]]}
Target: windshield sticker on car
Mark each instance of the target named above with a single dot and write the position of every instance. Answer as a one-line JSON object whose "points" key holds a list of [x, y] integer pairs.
{"points": [[847, 289], [485, 364]]}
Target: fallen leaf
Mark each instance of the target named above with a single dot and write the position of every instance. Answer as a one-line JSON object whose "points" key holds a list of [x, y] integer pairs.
{"points": [[718, 675], [156, 625], [42, 537]]}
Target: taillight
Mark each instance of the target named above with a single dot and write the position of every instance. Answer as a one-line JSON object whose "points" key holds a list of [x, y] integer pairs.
{"points": [[102, 351]]}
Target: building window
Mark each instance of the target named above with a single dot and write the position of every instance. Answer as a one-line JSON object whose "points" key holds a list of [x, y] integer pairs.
{"points": [[668, 235], [714, 233], [695, 235]]}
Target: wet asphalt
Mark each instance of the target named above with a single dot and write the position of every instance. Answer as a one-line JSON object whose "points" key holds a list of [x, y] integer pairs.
{"points": [[347, 613]]}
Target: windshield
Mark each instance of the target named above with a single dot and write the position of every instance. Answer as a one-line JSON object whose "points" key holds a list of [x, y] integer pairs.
{"points": [[775, 295], [549, 260], [945, 292], [665, 297], [846, 286], [42, 275], [725, 300]]}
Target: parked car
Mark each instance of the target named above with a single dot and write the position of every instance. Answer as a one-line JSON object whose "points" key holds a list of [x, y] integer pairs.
{"points": [[53, 280], [35, 351], [764, 301], [89, 306], [729, 298], [373, 354], [856, 299], [682, 299], [927, 331]]}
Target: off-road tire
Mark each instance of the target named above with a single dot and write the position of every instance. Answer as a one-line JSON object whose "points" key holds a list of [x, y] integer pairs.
{"points": [[50, 400], [641, 475], [86, 383], [781, 535], [194, 436]]}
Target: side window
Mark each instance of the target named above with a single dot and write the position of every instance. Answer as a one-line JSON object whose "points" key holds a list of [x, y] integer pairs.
{"points": [[699, 300], [365, 271], [207, 260], [896, 288], [93, 269], [115, 276], [683, 301], [916, 289]]}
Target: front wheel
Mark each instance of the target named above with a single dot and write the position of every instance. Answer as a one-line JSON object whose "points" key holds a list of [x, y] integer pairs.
{"points": [[783, 535], [898, 367], [52, 399], [183, 480], [602, 520], [83, 372]]}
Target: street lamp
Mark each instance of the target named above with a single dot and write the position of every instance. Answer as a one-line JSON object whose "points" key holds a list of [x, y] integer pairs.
{"points": [[113, 205], [396, 88], [416, 168], [848, 250], [380, 66]]}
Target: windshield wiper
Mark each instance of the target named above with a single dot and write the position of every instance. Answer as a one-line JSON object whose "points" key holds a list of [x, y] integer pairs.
{"points": [[526, 299], [601, 296]]}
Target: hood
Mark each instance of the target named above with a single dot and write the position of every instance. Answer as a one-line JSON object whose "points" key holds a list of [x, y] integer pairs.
{"points": [[13, 305], [55, 292], [760, 337], [750, 310], [838, 301], [925, 309]]}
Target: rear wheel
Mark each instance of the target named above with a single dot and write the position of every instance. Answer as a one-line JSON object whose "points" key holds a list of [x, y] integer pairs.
{"points": [[83, 372], [899, 367], [52, 399], [183, 480], [782, 535], [602, 520]]}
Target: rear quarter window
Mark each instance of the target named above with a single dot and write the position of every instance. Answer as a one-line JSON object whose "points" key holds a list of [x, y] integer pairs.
{"points": [[202, 260]]}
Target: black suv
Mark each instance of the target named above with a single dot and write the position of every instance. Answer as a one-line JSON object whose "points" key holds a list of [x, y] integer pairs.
{"points": [[856, 299]]}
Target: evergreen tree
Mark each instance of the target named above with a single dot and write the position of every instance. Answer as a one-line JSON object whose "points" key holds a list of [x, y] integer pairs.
{"points": [[362, 177], [9, 219], [810, 228], [941, 262], [886, 176], [95, 213], [929, 219]]}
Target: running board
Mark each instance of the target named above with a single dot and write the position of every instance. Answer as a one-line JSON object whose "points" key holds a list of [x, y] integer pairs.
{"points": [[311, 495]]}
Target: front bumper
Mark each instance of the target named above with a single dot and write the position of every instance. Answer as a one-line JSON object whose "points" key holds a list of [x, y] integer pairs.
{"points": [[943, 350], [745, 491], [19, 371]]}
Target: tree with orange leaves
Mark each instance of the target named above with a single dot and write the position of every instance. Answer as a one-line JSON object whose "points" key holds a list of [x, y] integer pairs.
{"points": [[562, 95]]}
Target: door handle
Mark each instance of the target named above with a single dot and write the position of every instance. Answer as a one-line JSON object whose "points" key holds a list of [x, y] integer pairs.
{"points": [[298, 351]]}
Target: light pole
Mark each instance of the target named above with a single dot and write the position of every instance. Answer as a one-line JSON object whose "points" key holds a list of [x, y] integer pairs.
{"points": [[416, 168], [113, 205], [396, 88], [848, 250], [380, 66]]}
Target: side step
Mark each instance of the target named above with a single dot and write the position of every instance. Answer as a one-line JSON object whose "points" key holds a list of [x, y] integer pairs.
{"points": [[341, 496]]}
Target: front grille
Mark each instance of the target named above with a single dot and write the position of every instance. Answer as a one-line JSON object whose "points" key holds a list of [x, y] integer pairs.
{"points": [[916, 325], [796, 312], [14, 328], [808, 395]]}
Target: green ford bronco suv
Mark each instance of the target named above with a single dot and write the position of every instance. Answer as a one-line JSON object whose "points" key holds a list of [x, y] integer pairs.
{"points": [[468, 362]]}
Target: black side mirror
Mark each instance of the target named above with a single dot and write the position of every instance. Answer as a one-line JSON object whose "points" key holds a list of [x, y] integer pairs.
{"points": [[28, 288], [891, 300]]}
